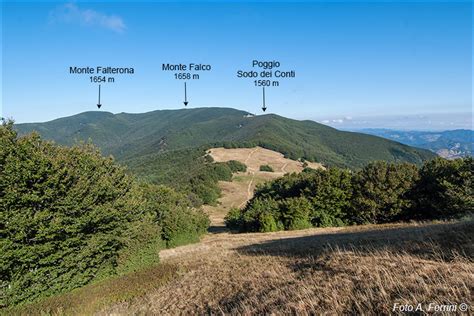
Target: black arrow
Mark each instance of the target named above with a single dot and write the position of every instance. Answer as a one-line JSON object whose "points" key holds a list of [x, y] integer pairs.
{"points": [[264, 108], [98, 104], [185, 95]]}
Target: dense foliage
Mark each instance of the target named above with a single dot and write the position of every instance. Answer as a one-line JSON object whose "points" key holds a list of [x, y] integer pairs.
{"points": [[266, 168], [381, 192], [69, 216], [237, 166], [445, 189], [190, 171]]}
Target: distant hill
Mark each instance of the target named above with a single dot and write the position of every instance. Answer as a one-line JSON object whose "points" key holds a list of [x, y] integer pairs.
{"points": [[138, 136], [447, 144]]}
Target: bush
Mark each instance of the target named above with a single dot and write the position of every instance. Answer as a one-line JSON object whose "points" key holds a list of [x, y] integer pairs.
{"points": [[381, 192], [220, 171], [330, 192], [233, 219], [65, 214], [444, 189], [267, 222], [236, 166], [69, 216], [180, 223], [297, 201], [257, 210], [266, 168], [295, 213]]}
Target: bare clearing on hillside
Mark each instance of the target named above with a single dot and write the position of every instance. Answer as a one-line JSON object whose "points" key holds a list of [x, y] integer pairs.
{"points": [[257, 156], [362, 269], [240, 190]]}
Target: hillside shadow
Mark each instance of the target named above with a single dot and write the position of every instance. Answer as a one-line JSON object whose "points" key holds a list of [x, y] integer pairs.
{"points": [[217, 229], [436, 241]]}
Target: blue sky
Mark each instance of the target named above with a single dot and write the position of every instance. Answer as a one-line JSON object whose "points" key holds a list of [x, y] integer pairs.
{"points": [[352, 59]]}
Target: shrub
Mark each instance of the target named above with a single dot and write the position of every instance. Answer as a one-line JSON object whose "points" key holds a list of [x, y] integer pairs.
{"points": [[236, 166], [330, 193], [444, 189], [267, 222], [257, 210], [297, 201], [381, 192], [69, 216], [220, 171], [233, 219], [65, 215], [266, 168], [180, 223], [294, 213]]}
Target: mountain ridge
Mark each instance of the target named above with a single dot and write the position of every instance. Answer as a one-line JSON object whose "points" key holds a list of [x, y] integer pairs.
{"points": [[449, 144], [128, 136]]}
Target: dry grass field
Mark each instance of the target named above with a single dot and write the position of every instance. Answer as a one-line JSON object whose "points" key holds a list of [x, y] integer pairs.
{"points": [[358, 270], [332, 270]]}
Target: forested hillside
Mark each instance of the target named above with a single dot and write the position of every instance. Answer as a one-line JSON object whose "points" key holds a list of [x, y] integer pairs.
{"points": [[144, 136]]}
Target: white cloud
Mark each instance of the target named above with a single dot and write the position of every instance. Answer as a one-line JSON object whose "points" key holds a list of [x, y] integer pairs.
{"points": [[72, 13]]}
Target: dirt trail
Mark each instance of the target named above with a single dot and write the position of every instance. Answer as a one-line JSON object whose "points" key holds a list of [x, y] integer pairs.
{"points": [[238, 192]]}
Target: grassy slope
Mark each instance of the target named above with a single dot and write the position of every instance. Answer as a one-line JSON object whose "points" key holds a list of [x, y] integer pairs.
{"points": [[351, 270], [129, 136]]}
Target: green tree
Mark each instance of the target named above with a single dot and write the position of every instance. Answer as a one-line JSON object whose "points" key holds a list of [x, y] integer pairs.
{"points": [[236, 166], [330, 192], [69, 216], [444, 189], [295, 213], [266, 168], [381, 192], [64, 213]]}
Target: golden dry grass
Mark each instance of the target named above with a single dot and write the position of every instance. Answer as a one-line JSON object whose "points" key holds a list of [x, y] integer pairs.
{"points": [[362, 270], [257, 156]]}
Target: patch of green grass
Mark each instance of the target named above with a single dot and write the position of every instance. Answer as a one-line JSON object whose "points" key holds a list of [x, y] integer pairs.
{"points": [[94, 297], [242, 178]]}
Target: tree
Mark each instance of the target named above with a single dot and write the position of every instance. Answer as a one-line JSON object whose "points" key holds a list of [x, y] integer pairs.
{"points": [[64, 213], [266, 168], [381, 192], [330, 192], [444, 189]]}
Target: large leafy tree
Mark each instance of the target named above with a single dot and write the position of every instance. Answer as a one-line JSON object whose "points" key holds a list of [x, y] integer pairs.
{"points": [[445, 189], [381, 191], [69, 216], [63, 212]]}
